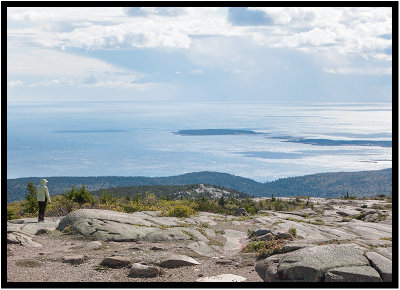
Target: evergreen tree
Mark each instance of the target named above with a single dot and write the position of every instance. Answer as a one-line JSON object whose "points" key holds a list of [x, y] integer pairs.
{"points": [[31, 205], [80, 196], [222, 201]]}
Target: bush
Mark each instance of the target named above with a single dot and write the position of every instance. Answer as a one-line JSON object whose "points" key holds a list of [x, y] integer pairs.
{"points": [[293, 231], [265, 249], [11, 214], [181, 211], [80, 196], [60, 206]]}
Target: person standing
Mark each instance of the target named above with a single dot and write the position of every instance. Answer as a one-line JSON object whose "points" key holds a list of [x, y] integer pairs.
{"points": [[43, 198]]}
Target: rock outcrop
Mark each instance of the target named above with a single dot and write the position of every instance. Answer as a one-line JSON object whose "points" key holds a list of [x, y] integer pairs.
{"points": [[176, 261], [140, 270], [321, 263]]}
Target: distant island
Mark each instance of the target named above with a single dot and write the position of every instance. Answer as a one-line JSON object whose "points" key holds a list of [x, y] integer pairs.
{"points": [[335, 184], [208, 132], [328, 142]]}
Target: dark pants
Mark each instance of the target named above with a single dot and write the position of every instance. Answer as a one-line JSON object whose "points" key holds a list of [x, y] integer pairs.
{"points": [[42, 208]]}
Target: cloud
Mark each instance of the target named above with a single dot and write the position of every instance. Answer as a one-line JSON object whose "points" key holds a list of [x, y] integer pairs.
{"points": [[49, 63], [121, 84], [162, 11], [359, 70], [50, 68], [13, 84], [46, 83], [346, 30]]}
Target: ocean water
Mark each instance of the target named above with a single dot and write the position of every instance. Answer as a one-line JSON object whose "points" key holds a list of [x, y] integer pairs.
{"points": [[140, 138]]}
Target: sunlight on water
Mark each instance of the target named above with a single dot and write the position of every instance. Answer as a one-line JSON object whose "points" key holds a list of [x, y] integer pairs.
{"points": [[137, 138]]}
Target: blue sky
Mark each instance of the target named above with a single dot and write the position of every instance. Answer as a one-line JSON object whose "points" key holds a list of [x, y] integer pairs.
{"points": [[199, 54]]}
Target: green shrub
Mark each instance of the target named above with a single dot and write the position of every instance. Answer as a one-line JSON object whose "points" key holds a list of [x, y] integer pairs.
{"points": [[181, 211], [80, 196], [293, 231], [11, 214], [264, 249]]}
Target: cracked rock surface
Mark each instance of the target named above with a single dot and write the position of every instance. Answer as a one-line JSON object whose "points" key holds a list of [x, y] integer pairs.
{"points": [[336, 241]]}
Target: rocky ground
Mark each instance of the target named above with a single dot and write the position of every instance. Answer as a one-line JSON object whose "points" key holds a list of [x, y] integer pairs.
{"points": [[330, 244]]}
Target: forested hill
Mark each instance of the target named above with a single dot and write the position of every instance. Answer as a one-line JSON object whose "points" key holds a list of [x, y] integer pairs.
{"points": [[361, 183]]}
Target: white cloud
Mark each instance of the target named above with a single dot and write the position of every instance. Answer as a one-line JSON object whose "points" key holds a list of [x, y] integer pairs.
{"points": [[46, 82], [359, 70], [50, 63], [13, 84], [346, 30], [55, 68], [346, 33], [120, 84]]}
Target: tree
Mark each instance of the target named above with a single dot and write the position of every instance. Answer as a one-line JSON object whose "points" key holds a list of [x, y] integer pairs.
{"points": [[80, 196], [31, 205], [222, 201], [107, 198]]}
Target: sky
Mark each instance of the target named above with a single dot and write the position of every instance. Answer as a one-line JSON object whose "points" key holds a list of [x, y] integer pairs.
{"points": [[266, 54]]}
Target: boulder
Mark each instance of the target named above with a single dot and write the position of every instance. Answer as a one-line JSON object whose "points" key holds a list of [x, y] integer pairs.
{"points": [[347, 212], [95, 245], [353, 274], [261, 232], [241, 212], [116, 262], [139, 270], [21, 239], [107, 225], [175, 261], [381, 264], [311, 263], [266, 237], [74, 259], [267, 269], [223, 278], [371, 218], [284, 236]]}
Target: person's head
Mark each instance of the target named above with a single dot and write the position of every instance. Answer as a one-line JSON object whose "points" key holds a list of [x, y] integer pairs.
{"points": [[43, 181]]}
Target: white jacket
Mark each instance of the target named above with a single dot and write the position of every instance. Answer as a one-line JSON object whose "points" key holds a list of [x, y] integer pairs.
{"points": [[43, 192]]}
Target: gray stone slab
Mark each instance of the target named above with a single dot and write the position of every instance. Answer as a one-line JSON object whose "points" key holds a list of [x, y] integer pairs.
{"points": [[310, 264], [353, 274], [202, 248], [381, 264], [167, 235], [175, 261]]}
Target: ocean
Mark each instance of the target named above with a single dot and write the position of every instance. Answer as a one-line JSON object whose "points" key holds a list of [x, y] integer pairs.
{"points": [[263, 142]]}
